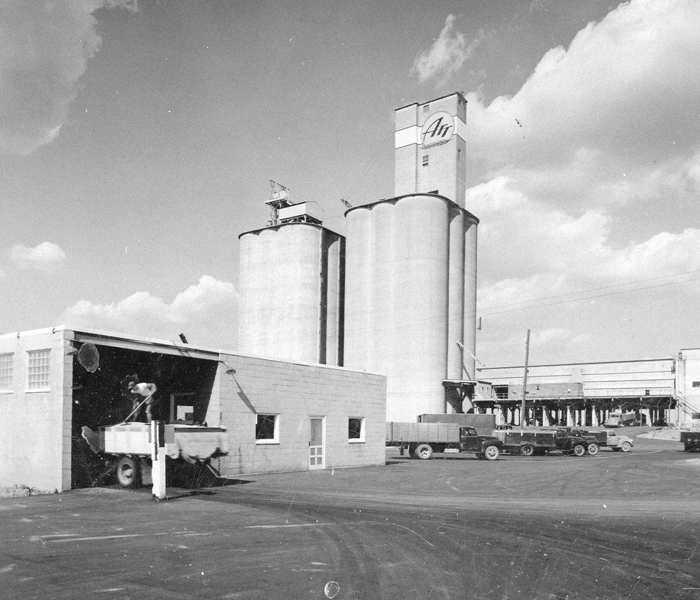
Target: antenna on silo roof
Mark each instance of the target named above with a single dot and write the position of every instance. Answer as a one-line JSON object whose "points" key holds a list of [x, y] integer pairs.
{"points": [[279, 198]]}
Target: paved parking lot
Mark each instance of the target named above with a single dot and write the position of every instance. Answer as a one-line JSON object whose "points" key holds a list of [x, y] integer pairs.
{"points": [[610, 526]]}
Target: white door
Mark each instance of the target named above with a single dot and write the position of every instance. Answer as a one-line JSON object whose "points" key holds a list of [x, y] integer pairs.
{"points": [[316, 458]]}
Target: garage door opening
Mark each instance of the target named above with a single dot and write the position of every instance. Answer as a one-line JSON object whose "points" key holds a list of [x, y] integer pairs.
{"points": [[184, 386]]}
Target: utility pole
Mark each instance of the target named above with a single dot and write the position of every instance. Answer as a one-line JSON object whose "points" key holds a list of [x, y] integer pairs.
{"points": [[522, 404]]}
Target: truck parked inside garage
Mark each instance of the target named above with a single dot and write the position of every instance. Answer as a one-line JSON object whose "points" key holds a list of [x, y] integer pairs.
{"points": [[529, 442], [131, 445], [422, 440]]}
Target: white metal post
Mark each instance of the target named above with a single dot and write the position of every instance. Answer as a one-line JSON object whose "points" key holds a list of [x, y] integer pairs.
{"points": [[158, 458]]}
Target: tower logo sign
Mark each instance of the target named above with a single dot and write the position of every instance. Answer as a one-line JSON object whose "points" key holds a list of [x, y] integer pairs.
{"points": [[437, 130]]}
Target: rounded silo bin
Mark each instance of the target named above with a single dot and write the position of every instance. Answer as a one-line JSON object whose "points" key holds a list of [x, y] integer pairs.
{"points": [[382, 290], [284, 281], [296, 289], [333, 296], [357, 287], [407, 290], [455, 322], [421, 292], [254, 284], [470, 279]]}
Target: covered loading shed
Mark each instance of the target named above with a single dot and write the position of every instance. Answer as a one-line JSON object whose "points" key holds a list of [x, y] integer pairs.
{"points": [[279, 416]]}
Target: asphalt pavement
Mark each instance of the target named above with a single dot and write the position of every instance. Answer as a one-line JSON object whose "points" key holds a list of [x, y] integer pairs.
{"points": [[612, 526]]}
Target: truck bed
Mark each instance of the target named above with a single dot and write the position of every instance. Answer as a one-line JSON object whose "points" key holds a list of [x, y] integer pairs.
{"points": [[538, 439], [440, 433], [191, 442]]}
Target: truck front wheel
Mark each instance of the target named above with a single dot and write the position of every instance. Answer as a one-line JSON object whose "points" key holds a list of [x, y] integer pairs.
{"points": [[527, 450], [127, 472], [491, 452], [626, 446], [592, 449], [579, 449], [424, 452]]}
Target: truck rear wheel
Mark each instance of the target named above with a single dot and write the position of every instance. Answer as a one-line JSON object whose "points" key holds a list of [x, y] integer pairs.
{"points": [[127, 472], [527, 450], [592, 449], [491, 452], [626, 446], [424, 452], [579, 449]]}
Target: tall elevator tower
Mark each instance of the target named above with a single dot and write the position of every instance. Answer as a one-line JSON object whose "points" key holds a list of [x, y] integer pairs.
{"points": [[411, 269]]}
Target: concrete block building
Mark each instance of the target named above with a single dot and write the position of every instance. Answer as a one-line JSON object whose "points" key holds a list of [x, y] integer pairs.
{"points": [[279, 416]]}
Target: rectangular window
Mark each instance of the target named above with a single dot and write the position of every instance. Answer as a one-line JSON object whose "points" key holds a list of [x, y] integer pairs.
{"points": [[501, 392], [696, 384], [425, 160], [6, 368], [356, 429], [267, 429], [39, 369]]}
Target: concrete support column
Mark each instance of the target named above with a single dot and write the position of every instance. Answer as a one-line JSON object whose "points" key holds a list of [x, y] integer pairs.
{"points": [[594, 417]]}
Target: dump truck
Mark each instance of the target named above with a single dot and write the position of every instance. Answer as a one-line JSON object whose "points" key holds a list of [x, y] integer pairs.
{"points": [[131, 444], [529, 442], [422, 440], [607, 438], [620, 419], [690, 441]]}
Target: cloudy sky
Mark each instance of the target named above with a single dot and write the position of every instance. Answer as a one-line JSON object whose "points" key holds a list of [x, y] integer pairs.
{"points": [[137, 141]]}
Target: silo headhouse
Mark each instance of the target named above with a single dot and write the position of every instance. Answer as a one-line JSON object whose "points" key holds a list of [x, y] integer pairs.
{"points": [[397, 295]]}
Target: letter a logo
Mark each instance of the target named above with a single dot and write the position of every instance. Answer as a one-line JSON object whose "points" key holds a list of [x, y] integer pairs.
{"points": [[438, 129]]}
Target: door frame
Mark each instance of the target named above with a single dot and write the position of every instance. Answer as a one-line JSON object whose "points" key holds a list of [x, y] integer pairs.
{"points": [[323, 442]]}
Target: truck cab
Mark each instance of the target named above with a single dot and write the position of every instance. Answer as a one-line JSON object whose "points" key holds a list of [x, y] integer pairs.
{"points": [[483, 445]]}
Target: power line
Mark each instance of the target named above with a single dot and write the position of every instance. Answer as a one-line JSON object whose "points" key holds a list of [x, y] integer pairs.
{"points": [[649, 287], [604, 288]]}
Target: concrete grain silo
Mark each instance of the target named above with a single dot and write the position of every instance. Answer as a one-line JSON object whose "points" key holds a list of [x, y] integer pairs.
{"points": [[411, 269], [291, 288]]}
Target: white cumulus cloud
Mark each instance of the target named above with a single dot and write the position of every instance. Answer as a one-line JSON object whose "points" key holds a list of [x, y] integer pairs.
{"points": [[446, 56], [586, 183], [44, 48], [47, 257], [207, 313]]}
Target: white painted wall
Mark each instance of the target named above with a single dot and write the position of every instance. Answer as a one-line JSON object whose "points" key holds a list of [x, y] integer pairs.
{"points": [[35, 426]]}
